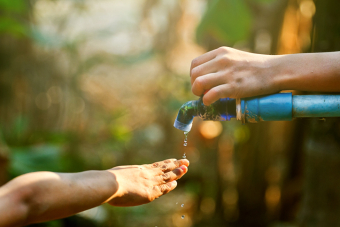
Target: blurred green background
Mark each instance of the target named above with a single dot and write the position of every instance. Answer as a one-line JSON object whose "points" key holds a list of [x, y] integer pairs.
{"points": [[90, 84]]}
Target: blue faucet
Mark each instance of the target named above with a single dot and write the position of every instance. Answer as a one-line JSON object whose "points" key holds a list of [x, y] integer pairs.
{"points": [[276, 107]]}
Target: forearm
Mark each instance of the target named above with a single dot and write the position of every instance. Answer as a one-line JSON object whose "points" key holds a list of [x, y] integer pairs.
{"points": [[43, 196], [318, 72]]}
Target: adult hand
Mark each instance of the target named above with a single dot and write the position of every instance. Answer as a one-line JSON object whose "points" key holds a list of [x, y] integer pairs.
{"points": [[227, 72], [140, 184]]}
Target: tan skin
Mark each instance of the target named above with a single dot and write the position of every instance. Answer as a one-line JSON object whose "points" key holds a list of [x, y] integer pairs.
{"points": [[227, 72], [43, 196]]}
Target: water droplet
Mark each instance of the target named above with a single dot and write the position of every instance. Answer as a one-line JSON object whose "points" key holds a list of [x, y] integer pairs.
{"points": [[184, 154], [186, 138], [182, 205], [183, 216], [177, 203]]}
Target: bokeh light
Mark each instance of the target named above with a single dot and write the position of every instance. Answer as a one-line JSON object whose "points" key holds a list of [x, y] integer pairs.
{"points": [[210, 129]]}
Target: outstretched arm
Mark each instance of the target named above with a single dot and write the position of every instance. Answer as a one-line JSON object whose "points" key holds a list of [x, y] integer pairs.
{"points": [[227, 72], [43, 196]]}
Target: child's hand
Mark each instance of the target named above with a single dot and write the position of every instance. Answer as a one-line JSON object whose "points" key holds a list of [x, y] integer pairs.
{"points": [[227, 72], [140, 184]]}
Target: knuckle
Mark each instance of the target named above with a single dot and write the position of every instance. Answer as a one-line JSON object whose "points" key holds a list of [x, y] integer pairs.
{"points": [[156, 164], [216, 92], [167, 188], [222, 60], [194, 63], [177, 163], [200, 82], [163, 187], [164, 167], [195, 71], [150, 196], [193, 90], [222, 49], [170, 160], [166, 176], [198, 86]]}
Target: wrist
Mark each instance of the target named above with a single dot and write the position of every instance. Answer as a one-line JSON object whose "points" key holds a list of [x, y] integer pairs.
{"points": [[282, 71], [113, 184]]}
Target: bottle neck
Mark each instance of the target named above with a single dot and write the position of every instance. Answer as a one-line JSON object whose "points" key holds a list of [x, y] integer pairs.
{"points": [[221, 110]]}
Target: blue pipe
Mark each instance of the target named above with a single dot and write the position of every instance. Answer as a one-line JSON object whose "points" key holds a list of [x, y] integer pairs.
{"points": [[316, 105], [285, 107], [276, 107]]}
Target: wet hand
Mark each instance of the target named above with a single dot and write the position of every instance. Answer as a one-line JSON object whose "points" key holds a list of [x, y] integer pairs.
{"points": [[140, 184], [227, 72]]}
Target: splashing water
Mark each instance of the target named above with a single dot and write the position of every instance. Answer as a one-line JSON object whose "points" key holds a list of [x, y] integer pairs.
{"points": [[182, 205], [183, 216]]}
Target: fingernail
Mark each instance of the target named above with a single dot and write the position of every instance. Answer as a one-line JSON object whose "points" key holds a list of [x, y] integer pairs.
{"points": [[184, 168], [186, 160], [174, 183]]}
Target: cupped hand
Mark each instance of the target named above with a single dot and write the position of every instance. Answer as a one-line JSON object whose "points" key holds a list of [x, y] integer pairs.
{"points": [[140, 184], [227, 72]]}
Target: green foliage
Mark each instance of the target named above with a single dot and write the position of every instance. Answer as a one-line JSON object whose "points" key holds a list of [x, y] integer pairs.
{"points": [[12, 26], [120, 132], [15, 6], [20, 126], [193, 187], [11, 22], [265, 1], [30, 159], [227, 21]]}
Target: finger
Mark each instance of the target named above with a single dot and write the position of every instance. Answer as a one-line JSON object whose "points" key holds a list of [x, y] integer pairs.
{"points": [[184, 162], [218, 92], [203, 59], [203, 69], [174, 174], [208, 81], [170, 164], [163, 164], [167, 187]]}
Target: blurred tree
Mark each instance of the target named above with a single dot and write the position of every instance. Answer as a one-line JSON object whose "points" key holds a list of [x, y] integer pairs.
{"points": [[13, 33], [321, 193], [254, 26]]}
